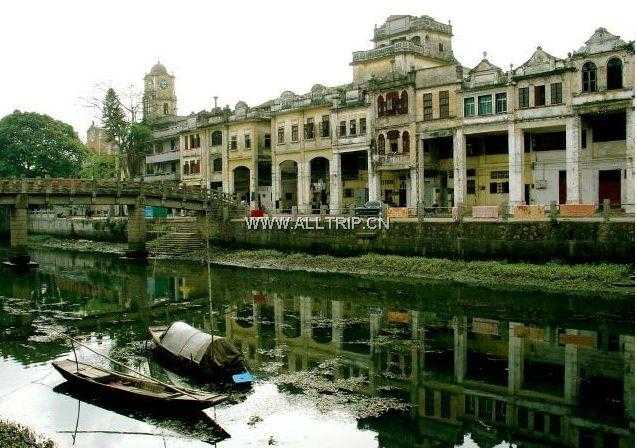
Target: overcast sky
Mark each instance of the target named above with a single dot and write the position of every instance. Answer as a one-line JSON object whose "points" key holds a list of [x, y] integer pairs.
{"points": [[53, 54]]}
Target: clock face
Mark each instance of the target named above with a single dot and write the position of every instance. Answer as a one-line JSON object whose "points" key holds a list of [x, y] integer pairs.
{"points": [[163, 84]]}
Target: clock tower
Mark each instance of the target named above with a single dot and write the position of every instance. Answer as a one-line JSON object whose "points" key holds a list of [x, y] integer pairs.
{"points": [[159, 94]]}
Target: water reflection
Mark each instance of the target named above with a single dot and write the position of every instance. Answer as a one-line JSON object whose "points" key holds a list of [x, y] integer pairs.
{"points": [[514, 367]]}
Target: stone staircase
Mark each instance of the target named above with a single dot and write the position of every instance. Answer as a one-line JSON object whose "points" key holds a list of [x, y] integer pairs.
{"points": [[177, 239]]}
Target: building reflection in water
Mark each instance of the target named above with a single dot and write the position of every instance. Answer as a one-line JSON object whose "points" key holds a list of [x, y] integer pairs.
{"points": [[543, 380]]}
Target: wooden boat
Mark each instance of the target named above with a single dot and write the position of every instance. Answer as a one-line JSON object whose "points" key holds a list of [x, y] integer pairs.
{"points": [[207, 356], [126, 388]]}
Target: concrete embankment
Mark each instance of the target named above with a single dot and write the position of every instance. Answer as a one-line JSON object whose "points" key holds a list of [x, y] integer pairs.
{"points": [[571, 241]]}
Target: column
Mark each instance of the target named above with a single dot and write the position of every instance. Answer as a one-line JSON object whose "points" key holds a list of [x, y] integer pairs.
{"points": [[254, 182], [373, 179], [573, 171], [374, 328], [459, 325], [303, 186], [276, 184], [136, 231], [336, 184], [18, 222], [516, 165], [413, 188], [516, 356], [459, 168], [338, 324], [421, 172], [629, 181]]}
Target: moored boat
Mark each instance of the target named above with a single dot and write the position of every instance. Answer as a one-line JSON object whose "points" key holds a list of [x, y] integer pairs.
{"points": [[207, 356], [138, 391]]}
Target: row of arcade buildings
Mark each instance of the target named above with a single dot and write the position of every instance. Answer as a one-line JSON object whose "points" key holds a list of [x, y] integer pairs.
{"points": [[415, 128]]}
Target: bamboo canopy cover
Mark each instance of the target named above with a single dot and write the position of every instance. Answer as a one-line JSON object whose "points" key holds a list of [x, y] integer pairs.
{"points": [[183, 340]]}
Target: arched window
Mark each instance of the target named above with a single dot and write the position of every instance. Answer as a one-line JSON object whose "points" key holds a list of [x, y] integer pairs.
{"points": [[405, 142], [589, 77], [381, 144], [381, 105], [441, 47], [215, 138], [614, 74], [404, 102], [165, 108]]}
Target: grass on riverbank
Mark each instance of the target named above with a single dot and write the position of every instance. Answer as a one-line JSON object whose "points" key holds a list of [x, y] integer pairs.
{"points": [[13, 435], [602, 279]]}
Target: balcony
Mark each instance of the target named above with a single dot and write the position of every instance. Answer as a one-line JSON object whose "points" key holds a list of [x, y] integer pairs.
{"points": [[193, 152], [393, 161], [399, 47], [162, 157]]}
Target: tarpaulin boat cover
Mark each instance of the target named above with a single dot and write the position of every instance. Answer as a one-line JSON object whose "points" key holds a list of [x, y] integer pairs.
{"points": [[183, 340]]}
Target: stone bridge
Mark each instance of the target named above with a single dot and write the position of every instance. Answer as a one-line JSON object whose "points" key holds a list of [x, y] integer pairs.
{"points": [[20, 194]]}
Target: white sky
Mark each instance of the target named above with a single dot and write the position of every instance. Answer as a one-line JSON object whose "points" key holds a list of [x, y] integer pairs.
{"points": [[53, 53]]}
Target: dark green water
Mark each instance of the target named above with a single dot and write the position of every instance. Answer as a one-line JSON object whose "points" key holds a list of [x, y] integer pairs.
{"points": [[341, 361]]}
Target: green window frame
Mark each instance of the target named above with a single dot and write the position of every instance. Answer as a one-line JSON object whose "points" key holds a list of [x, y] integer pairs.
{"points": [[469, 107], [485, 105], [501, 103]]}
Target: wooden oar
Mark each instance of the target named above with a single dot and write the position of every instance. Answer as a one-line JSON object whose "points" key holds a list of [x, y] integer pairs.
{"points": [[171, 386]]}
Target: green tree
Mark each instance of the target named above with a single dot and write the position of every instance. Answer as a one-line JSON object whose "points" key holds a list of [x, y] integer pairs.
{"points": [[131, 137], [99, 166], [36, 145]]}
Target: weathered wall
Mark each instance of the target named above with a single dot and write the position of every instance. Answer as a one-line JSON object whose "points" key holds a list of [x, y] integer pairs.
{"points": [[533, 241], [94, 229]]}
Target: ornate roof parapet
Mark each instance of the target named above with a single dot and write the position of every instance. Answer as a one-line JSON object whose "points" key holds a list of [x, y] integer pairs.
{"points": [[399, 24], [540, 62], [485, 74], [602, 41]]}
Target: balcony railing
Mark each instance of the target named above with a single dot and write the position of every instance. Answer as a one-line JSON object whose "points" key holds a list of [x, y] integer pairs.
{"points": [[398, 47]]}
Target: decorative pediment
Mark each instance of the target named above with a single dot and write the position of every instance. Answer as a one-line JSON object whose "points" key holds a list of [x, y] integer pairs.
{"points": [[539, 62], [485, 73], [601, 41]]}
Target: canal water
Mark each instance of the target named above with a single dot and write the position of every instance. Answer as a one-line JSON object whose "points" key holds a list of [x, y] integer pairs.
{"points": [[339, 360]]}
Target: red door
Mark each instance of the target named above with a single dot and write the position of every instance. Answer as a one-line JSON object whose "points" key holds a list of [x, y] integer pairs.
{"points": [[562, 188], [610, 186]]}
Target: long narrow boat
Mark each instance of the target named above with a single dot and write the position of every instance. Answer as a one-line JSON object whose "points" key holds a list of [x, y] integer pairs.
{"points": [[126, 388], [209, 357]]}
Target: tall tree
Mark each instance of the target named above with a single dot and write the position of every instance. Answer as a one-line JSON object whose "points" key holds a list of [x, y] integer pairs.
{"points": [[131, 137], [36, 145], [99, 166]]}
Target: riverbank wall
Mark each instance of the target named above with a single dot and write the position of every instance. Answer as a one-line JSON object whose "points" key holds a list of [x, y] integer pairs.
{"points": [[571, 241], [98, 229]]}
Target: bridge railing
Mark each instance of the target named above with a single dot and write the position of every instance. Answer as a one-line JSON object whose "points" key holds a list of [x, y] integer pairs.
{"points": [[63, 186]]}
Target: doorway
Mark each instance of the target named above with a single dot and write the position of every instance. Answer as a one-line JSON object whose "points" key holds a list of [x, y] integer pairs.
{"points": [[562, 188], [610, 186]]}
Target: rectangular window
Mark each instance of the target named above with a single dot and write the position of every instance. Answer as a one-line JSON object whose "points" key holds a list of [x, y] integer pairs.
{"points": [[309, 129], [443, 103], [248, 141], [233, 142], [524, 97], [485, 106], [325, 126], [583, 138], [556, 93], [342, 129], [540, 96], [352, 127], [295, 132], [469, 107], [362, 124], [427, 107], [501, 103], [445, 404], [267, 141], [281, 135]]}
